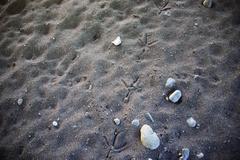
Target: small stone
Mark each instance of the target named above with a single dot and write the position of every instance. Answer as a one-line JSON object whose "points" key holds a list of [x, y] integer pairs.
{"points": [[39, 114], [149, 138], [198, 126], [170, 83], [175, 96], [74, 126], [117, 121], [191, 122], [90, 87], [165, 149], [185, 154], [55, 123], [117, 41], [20, 101], [135, 122], [207, 3], [126, 100], [200, 155], [167, 13]]}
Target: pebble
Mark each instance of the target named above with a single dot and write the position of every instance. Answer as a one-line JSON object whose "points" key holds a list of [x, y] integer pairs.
{"points": [[167, 13], [200, 155], [74, 126], [170, 83], [207, 3], [185, 154], [117, 41], [191, 122], [175, 96], [20, 101], [135, 122], [117, 121], [55, 123], [149, 139], [198, 126], [126, 100]]}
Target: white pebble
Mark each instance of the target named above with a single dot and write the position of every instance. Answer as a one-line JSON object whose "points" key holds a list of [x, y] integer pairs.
{"points": [[74, 126], [167, 13], [200, 155], [191, 122], [170, 83], [149, 138], [175, 96], [135, 122], [117, 121], [207, 3], [185, 154], [20, 101], [55, 123], [117, 41]]}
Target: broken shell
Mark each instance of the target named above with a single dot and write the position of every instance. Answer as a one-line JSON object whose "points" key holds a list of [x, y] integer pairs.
{"points": [[149, 117], [117, 41]]}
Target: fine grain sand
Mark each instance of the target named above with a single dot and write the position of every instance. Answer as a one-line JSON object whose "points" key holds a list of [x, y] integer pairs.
{"points": [[57, 56]]}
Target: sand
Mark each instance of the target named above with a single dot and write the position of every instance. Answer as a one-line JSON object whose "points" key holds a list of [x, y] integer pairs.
{"points": [[57, 56]]}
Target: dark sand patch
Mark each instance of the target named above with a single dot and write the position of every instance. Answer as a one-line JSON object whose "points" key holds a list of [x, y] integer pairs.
{"points": [[57, 56]]}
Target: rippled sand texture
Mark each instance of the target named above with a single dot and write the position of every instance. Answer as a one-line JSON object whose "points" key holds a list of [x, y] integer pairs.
{"points": [[57, 56]]}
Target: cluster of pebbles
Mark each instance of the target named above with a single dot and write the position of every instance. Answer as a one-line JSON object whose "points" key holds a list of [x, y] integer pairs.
{"points": [[172, 93], [148, 137]]}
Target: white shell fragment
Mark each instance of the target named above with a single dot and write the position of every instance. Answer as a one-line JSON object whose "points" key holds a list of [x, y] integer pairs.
{"points": [[191, 122], [207, 3], [175, 96], [149, 138], [149, 117], [55, 123], [117, 121], [135, 122], [200, 155], [170, 83], [117, 41], [185, 154], [20, 101]]}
